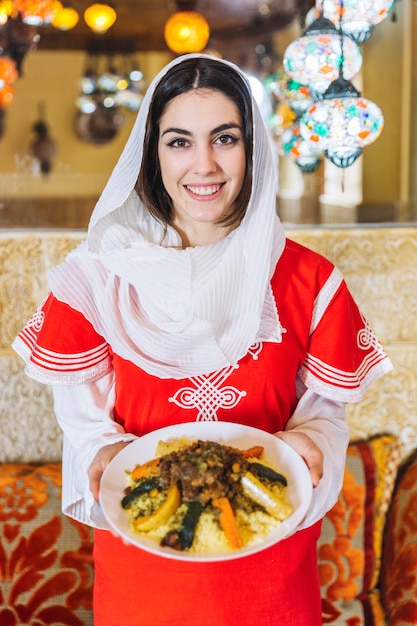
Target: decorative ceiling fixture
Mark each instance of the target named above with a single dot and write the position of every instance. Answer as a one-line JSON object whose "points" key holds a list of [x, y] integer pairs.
{"points": [[282, 87], [65, 17], [111, 83], [186, 30], [357, 18], [306, 156], [342, 124], [6, 9], [100, 17], [34, 12], [315, 58], [43, 147]]}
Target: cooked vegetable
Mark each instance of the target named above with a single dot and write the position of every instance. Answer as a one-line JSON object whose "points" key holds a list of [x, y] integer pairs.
{"points": [[274, 505], [228, 522], [151, 468], [161, 515], [263, 471], [139, 490], [254, 451], [183, 538]]}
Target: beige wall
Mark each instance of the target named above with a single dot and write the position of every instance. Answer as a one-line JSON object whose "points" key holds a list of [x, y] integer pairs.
{"points": [[79, 167]]}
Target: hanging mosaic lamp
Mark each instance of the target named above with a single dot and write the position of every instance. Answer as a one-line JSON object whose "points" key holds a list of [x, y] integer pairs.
{"points": [[100, 17], [306, 157], [35, 12], [315, 58], [186, 31], [342, 124], [283, 87], [357, 18]]}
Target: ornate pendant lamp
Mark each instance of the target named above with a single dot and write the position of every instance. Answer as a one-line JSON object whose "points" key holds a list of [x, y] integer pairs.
{"points": [[186, 31], [305, 155], [343, 122], [357, 18], [315, 58], [100, 17], [282, 87]]}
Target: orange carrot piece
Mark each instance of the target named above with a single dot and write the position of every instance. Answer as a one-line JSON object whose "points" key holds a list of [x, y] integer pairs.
{"points": [[150, 468], [228, 522], [255, 451]]}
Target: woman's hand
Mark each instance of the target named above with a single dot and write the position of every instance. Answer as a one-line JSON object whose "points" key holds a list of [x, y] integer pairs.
{"points": [[100, 462], [307, 449]]}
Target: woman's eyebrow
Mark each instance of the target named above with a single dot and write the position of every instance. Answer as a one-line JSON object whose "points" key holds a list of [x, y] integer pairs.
{"points": [[218, 129], [178, 131]]}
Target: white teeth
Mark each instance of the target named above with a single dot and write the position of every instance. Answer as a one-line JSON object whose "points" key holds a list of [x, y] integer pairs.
{"points": [[204, 191]]}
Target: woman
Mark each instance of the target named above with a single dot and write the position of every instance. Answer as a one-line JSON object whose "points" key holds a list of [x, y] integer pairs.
{"points": [[187, 282]]}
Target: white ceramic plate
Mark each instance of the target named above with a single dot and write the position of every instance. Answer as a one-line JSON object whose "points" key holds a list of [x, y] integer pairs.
{"points": [[284, 458]]}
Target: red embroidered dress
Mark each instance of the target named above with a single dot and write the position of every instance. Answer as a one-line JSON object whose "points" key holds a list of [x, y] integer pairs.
{"points": [[326, 345]]}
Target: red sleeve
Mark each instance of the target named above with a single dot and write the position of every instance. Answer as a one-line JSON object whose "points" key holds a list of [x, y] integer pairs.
{"points": [[60, 346], [342, 355]]}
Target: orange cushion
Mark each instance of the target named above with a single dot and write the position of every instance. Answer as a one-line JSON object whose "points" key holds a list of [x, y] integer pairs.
{"points": [[350, 545], [46, 567]]}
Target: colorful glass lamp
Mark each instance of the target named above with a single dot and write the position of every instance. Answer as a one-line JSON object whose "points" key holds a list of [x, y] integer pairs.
{"points": [[342, 124], [305, 155], [357, 18], [315, 58]]}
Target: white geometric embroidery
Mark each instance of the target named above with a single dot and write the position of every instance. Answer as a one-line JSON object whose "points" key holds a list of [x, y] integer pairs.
{"points": [[366, 338], [38, 318], [208, 395], [256, 348]]}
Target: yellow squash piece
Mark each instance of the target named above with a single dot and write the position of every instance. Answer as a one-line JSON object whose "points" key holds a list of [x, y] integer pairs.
{"points": [[161, 515], [260, 494]]}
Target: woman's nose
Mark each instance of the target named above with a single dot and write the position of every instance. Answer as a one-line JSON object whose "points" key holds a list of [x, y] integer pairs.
{"points": [[205, 160]]}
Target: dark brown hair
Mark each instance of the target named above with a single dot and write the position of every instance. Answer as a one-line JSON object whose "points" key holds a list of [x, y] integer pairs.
{"points": [[194, 73]]}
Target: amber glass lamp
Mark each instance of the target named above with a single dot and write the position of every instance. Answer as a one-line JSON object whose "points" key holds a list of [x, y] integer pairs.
{"points": [[186, 31], [65, 17], [100, 17]]}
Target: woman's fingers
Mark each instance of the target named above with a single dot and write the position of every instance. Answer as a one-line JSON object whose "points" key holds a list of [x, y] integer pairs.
{"points": [[99, 464], [308, 450]]}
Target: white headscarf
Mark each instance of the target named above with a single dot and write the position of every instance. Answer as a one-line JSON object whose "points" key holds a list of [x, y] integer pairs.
{"points": [[176, 312]]}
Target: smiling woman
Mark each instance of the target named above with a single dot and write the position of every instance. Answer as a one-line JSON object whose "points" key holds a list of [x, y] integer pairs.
{"points": [[186, 303], [202, 158]]}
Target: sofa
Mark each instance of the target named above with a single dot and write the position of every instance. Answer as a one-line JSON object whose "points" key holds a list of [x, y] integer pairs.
{"points": [[368, 545], [367, 549]]}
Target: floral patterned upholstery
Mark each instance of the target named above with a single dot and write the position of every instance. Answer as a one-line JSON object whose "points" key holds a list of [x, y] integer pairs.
{"points": [[46, 569], [351, 541], [399, 564]]}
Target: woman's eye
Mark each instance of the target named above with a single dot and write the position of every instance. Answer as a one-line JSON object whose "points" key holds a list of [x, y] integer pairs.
{"points": [[178, 143], [226, 139]]}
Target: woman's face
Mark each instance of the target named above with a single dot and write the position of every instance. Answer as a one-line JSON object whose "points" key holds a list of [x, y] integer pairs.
{"points": [[202, 159]]}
